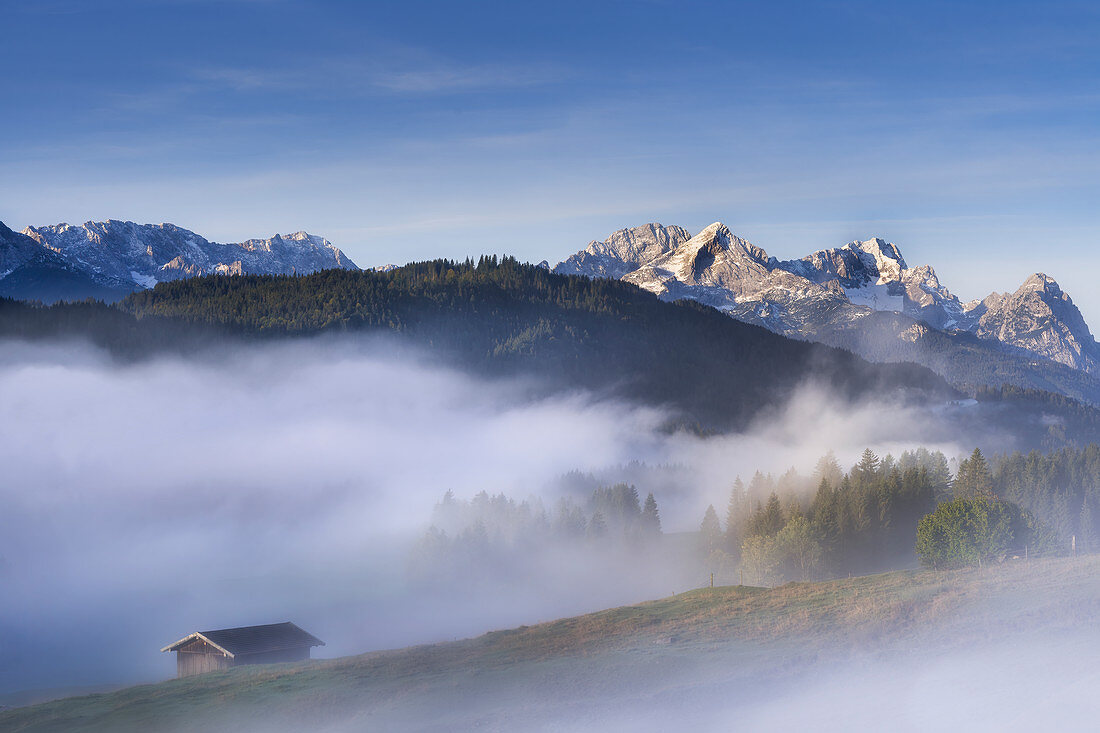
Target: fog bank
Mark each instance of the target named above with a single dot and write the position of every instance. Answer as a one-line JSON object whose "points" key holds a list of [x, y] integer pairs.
{"points": [[140, 502]]}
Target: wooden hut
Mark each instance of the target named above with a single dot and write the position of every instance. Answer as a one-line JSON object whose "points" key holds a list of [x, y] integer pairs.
{"points": [[206, 651]]}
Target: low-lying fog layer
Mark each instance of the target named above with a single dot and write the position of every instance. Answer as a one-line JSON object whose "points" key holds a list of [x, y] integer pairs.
{"points": [[141, 502]]}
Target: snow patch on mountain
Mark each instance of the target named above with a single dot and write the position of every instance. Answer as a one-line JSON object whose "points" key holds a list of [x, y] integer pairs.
{"points": [[878, 296], [145, 281]]}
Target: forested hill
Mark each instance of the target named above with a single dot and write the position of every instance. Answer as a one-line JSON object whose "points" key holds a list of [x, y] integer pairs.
{"points": [[502, 316]]}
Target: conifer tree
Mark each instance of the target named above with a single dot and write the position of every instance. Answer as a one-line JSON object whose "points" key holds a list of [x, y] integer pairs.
{"points": [[824, 512], [736, 510], [760, 486], [939, 475], [650, 518], [1060, 515], [864, 472], [771, 517], [570, 521], [974, 479], [597, 526], [710, 531], [789, 483], [828, 469], [1086, 529]]}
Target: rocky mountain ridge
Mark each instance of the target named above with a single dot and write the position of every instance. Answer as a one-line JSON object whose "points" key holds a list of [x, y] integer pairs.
{"points": [[831, 291], [108, 260], [623, 251], [1038, 318]]}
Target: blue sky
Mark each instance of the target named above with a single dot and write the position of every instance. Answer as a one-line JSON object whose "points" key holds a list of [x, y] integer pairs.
{"points": [[966, 132]]}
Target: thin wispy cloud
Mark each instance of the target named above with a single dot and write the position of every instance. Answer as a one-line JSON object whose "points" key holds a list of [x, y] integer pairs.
{"points": [[460, 79], [356, 76]]}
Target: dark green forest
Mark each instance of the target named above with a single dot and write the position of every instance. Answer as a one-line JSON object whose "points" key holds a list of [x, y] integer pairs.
{"points": [[501, 317], [497, 316]]}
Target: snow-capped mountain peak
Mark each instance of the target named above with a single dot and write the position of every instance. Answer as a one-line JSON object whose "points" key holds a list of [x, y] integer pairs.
{"points": [[122, 256], [1042, 281], [714, 266], [880, 256], [718, 238], [856, 264]]}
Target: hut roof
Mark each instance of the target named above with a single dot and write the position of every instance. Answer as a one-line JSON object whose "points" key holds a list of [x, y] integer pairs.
{"points": [[252, 639]]}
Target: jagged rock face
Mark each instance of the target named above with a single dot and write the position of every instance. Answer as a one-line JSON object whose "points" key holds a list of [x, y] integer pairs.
{"points": [[714, 266], [15, 250], [854, 265], [794, 306], [874, 274], [29, 271], [720, 269], [832, 290], [1041, 319], [122, 253], [929, 301], [723, 270], [624, 251]]}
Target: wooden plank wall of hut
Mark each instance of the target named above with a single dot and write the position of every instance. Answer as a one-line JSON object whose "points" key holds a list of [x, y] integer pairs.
{"points": [[196, 657]]}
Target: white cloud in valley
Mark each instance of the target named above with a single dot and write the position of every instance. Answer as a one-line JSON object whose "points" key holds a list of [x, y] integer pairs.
{"points": [[141, 501]]}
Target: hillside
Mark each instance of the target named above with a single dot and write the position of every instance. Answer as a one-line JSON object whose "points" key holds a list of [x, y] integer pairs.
{"points": [[606, 335], [853, 649], [502, 318]]}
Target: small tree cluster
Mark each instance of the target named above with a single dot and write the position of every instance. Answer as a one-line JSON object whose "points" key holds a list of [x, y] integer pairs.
{"points": [[976, 531], [860, 521], [489, 531]]}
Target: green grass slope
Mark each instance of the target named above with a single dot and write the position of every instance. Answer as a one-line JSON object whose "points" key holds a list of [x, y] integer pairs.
{"points": [[685, 658]]}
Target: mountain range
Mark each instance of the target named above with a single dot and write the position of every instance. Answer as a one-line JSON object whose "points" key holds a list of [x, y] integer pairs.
{"points": [[109, 260], [862, 296]]}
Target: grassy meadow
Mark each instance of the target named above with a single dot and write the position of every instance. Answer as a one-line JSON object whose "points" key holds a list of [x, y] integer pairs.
{"points": [[691, 657]]}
